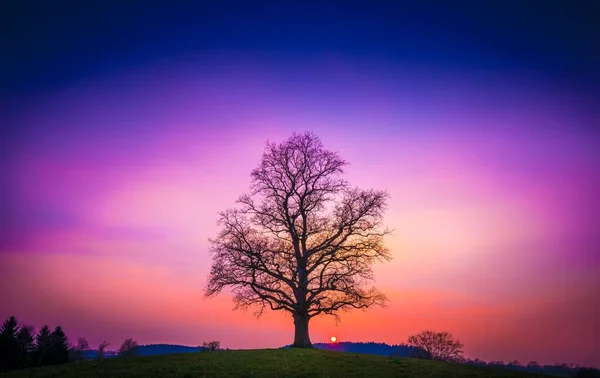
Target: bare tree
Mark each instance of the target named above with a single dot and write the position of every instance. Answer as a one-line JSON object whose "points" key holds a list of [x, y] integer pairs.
{"points": [[440, 345], [80, 348], [533, 365], [128, 348], [102, 349], [302, 241], [211, 345]]}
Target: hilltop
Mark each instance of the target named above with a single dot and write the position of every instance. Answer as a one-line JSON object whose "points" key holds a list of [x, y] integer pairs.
{"points": [[266, 363]]}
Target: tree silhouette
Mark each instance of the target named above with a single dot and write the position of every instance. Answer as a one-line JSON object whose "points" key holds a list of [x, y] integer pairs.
{"points": [[81, 347], [26, 345], [43, 344], [302, 241], [59, 347], [102, 349], [533, 365], [440, 345], [211, 345], [128, 348], [9, 347]]}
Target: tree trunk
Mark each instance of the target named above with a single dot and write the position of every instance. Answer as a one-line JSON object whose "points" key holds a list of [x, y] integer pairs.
{"points": [[301, 338]]}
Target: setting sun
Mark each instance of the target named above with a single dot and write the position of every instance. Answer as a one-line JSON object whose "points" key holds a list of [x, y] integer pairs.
{"points": [[333, 339]]}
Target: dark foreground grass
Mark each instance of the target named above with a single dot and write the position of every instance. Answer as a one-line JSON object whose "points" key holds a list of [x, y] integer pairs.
{"points": [[265, 363]]}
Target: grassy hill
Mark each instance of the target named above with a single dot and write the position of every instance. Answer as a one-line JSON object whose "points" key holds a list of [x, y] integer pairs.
{"points": [[265, 363]]}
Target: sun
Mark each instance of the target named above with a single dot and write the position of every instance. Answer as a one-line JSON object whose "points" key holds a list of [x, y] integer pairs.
{"points": [[333, 339]]}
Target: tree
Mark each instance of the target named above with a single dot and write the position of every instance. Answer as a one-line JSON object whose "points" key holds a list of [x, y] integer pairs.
{"points": [[211, 345], [533, 365], [302, 241], [102, 349], [80, 348], [26, 345], [128, 348], [42, 346], [440, 345], [59, 347], [9, 347]]}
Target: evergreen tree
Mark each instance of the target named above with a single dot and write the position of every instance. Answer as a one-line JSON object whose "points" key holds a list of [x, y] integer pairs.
{"points": [[26, 346], [42, 346], [59, 347], [9, 348]]}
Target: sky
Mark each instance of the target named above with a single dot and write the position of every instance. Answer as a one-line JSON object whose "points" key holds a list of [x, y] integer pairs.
{"points": [[127, 127]]}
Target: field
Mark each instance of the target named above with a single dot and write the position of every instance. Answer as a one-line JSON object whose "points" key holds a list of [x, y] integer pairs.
{"points": [[265, 363]]}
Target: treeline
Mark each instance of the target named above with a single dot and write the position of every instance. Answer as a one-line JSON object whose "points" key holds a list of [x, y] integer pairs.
{"points": [[570, 370], [20, 347]]}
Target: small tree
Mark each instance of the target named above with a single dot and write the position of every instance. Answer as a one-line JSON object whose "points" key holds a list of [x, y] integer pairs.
{"points": [[59, 347], [102, 349], [9, 347], [128, 348], [80, 348], [211, 345], [440, 345]]}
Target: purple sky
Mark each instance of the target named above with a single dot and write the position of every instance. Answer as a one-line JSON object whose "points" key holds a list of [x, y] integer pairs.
{"points": [[113, 181]]}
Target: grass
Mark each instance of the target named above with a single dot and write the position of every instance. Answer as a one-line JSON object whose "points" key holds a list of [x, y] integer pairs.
{"points": [[265, 363]]}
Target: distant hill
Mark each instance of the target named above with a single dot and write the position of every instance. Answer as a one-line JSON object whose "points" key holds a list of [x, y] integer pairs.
{"points": [[149, 350], [93, 353], [157, 349], [380, 349]]}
